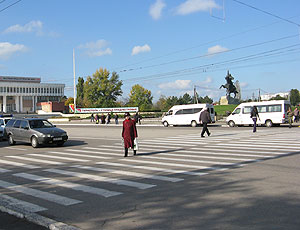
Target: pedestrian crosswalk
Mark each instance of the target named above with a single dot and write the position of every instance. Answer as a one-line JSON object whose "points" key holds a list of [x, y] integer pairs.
{"points": [[102, 171]]}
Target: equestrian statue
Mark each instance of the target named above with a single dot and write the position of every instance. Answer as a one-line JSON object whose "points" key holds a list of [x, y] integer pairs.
{"points": [[229, 86]]}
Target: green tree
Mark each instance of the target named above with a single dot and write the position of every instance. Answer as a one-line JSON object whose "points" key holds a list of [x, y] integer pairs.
{"points": [[80, 92], [102, 89], [172, 100], [185, 99], [160, 104], [140, 97], [205, 99], [294, 97], [278, 97], [70, 100]]}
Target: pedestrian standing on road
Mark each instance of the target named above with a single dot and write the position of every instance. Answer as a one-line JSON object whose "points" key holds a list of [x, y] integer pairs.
{"points": [[296, 115], [254, 115], [92, 118], [117, 119], [290, 114], [204, 120], [97, 118], [129, 133], [108, 118]]}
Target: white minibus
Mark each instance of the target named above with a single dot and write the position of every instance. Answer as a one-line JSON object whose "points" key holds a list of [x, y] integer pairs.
{"points": [[186, 114], [270, 113]]}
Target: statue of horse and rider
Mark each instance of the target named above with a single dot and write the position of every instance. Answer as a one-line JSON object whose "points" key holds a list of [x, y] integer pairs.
{"points": [[229, 86]]}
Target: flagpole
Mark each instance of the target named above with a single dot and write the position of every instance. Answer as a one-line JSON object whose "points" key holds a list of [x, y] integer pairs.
{"points": [[74, 81]]}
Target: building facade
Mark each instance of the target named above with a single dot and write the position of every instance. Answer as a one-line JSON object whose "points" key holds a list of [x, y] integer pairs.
{"points": [[21, 94]]}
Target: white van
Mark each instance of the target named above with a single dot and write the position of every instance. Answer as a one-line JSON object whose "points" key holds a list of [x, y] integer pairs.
{"points": [[270, 113], [186, 114]]}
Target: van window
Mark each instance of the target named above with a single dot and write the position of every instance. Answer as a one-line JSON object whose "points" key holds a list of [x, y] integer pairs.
{"points": [[188, 111], [286, 107], [262, 108], [179, 112], [247, 109], [197, 110], [274, 108], [17, 124], [237, 111]]}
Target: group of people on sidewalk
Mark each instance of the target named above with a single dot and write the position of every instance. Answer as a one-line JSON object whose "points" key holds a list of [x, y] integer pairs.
{"points": [[102, 119]]}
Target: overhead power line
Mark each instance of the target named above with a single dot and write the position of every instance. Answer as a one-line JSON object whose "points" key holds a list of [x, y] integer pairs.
{"points": [[10, 5], [207, 55], [203, 68], [2, 1], [266, 12]]}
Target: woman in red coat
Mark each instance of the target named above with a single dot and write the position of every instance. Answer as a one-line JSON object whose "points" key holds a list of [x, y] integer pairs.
{"points": [[129, 133]]}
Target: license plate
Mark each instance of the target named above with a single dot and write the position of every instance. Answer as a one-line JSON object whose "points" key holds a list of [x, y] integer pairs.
{"points": [[57, 138]]}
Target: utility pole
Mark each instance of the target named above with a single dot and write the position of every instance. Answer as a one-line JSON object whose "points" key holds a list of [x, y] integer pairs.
{"points": [[74, 81], [195, 96], [259, 94]]}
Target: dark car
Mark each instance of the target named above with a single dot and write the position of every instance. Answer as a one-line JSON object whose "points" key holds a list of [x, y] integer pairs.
{"points": [[35, 131]]}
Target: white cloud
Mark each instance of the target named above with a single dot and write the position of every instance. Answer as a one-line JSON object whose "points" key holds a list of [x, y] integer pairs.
{"points": [[216, 49], [156, 9], [7, 49], [192, 6], [244, 84], [140, 49], [33, 26], [178, 84], [96, 49]]}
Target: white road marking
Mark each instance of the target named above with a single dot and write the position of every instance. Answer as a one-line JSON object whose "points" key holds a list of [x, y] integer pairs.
{"points": [[36, 160], [4, 170], [19, 164], [100, 153], [164, 142], [80, 155], [257, 150], [16, 204], [153, 168], [56, 157], [184, 160], [135, 174], [102, 179], [65, 184], [39, 194], [196, 155], [15, 148], [173, 164], [259, 145], [229, 154]]}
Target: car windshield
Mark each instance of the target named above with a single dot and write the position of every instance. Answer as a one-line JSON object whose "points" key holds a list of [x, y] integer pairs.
{"points": [[35, 124]]}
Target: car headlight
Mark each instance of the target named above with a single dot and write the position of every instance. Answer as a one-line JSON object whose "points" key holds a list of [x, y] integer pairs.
{"points": [[46, 135]]}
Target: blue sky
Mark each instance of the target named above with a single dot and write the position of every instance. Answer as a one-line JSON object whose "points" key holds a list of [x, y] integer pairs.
{"points": [[167, 46]]}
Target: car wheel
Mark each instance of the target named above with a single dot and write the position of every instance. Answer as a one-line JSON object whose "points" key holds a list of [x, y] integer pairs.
{"points": [[269, 123], [193, 123], [166, 124], [11, 140], [34, 142], [231, 123]]}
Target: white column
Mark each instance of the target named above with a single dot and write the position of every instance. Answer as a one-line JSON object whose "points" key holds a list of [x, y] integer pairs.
{"points": [[4, 104], [17, 102], [21, 104]]}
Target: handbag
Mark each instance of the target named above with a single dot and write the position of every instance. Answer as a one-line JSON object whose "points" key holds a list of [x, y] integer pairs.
{"points": [[135, 144]]}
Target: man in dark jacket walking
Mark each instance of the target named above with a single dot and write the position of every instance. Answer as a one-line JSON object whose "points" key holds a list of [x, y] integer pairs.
{"points": [[204, 120]]}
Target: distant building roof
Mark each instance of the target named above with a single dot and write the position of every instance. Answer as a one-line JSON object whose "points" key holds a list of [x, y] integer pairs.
{"points": [[20, 79]]}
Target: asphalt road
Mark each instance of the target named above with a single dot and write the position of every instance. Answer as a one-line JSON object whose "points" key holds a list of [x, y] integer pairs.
{"points": [[234, 179]]}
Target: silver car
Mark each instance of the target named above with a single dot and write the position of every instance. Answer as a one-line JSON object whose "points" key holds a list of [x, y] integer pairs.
{"points": [[35, 131]]}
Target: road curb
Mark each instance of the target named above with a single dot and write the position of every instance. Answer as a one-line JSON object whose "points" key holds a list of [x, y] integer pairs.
{"points": [[39, 220]]}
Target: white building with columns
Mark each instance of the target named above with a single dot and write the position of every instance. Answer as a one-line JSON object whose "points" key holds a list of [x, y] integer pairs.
{"points": [[21, 94]]}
